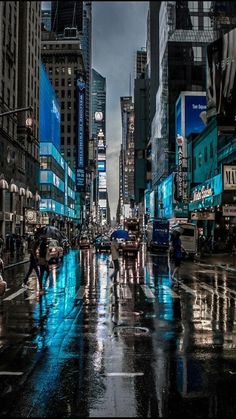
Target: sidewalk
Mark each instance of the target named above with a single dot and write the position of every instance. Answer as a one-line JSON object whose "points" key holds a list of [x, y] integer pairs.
{"points": [[10, 262], [219, 260]]}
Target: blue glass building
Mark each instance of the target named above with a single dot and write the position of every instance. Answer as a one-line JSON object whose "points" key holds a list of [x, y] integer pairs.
{"points": [[57, 180]]}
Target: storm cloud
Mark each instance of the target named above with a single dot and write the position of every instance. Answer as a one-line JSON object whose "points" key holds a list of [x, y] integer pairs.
{"points": [[119, 30]]}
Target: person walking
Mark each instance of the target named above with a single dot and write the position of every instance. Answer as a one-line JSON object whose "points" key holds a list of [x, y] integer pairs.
{"points": [[115, 258], [177, 254], [43, 263], [33, 263]]}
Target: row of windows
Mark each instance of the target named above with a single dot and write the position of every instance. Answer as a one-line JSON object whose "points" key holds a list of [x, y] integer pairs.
{"points": [[69, 140], [61, 82], [68, 152]]}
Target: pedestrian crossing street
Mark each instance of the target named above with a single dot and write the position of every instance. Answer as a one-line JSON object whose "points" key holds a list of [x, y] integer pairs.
{"points": [[150, 292]]}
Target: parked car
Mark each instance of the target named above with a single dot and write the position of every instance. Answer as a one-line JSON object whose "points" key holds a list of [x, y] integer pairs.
{"points": [[131, 245], [84, 242], [55, 251], [102, 244]]}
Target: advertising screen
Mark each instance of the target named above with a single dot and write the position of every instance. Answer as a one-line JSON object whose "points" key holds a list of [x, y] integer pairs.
{"points": [[102, 180], [80, 96], [221, 88], [194, 106], [102, 166], [152, 204], [49, 112]]}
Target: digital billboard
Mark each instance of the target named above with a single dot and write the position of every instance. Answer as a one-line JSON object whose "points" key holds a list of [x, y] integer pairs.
{"points": [[189, 111], [102, 166], [102, 180], [49, 112], [80, 149], [221, 69]]}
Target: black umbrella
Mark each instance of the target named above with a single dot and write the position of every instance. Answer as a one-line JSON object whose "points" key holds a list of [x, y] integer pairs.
{"points": [[50, 231]]}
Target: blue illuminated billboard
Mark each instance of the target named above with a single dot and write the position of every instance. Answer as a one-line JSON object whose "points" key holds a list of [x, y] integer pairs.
{"points": [[49, 112], [80, 149], [102, 166], [189, 113], [194, 106]]}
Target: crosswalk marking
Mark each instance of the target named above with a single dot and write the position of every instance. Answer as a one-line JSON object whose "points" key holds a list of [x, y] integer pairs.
{"points": [[228, 289], [211, 290], [148, 293], [168, 289], [32, 297], [188, 289], [11, 372], [80, 293], [15, 294], [124, 374]]}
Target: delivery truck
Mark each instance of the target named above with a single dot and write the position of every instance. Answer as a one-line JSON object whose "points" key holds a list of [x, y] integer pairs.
{"points": [[158, 234]]}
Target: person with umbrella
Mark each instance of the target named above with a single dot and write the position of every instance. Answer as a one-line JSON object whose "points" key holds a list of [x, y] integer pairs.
{"points": [[33, 262], [115, 257], [43, 263]]}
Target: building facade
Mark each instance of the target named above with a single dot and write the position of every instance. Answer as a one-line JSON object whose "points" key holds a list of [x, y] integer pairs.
{"points": [[20, 50], [66, 14], [127, 150]]}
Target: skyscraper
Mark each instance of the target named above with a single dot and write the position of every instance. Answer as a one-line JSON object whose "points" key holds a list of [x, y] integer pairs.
{"points": [[19, 152], [99, 140], [66, 14], [127, 149]]}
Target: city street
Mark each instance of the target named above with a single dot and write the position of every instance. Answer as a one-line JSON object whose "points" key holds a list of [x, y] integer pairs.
{"points": [[140, 348]]}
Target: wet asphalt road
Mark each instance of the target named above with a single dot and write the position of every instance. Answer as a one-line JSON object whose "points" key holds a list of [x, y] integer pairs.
{"points": [[142, 348]]}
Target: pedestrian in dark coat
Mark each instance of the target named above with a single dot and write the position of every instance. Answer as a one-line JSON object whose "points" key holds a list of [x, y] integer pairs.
{"points": [[33, 263]]}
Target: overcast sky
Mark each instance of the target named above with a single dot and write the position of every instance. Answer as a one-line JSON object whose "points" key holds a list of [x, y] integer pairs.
{"points": [[119, 30]]}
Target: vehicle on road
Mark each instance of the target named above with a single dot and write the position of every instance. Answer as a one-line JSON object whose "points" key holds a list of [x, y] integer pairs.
{"points": [[188, 236], [84, 242], [102, 244], [55, 251], [158, 234], [130, 246]]}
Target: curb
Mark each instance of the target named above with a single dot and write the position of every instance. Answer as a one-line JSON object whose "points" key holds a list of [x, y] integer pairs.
{"points": [[15, 264]]}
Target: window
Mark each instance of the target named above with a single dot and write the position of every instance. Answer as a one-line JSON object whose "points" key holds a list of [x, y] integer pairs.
{"points": [[50, 70], [194, 20], [56, 82], [63, 93], [68, 129], [69, 82], [68, 153], [69, 105], [69, 117], [68, 140], [57, 70], [205, 154], [206, 22], [69, 71], [193, 6], [63, 82], [197, 53]]}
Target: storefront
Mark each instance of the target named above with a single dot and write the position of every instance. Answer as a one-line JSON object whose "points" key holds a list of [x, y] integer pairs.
{"points": [[213, 204]]}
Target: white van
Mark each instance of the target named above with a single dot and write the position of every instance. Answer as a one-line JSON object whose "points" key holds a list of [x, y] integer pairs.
{"points": [[188, 237]]}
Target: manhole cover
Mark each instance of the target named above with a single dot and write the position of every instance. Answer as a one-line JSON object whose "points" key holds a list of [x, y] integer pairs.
{"points": [[131, 331]]}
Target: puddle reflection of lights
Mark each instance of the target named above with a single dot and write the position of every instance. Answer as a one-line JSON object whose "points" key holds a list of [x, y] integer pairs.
{"points": [[54, 274]]}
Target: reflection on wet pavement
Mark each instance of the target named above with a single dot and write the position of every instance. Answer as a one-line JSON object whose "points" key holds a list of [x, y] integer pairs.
{"points": [[139, 347]]}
